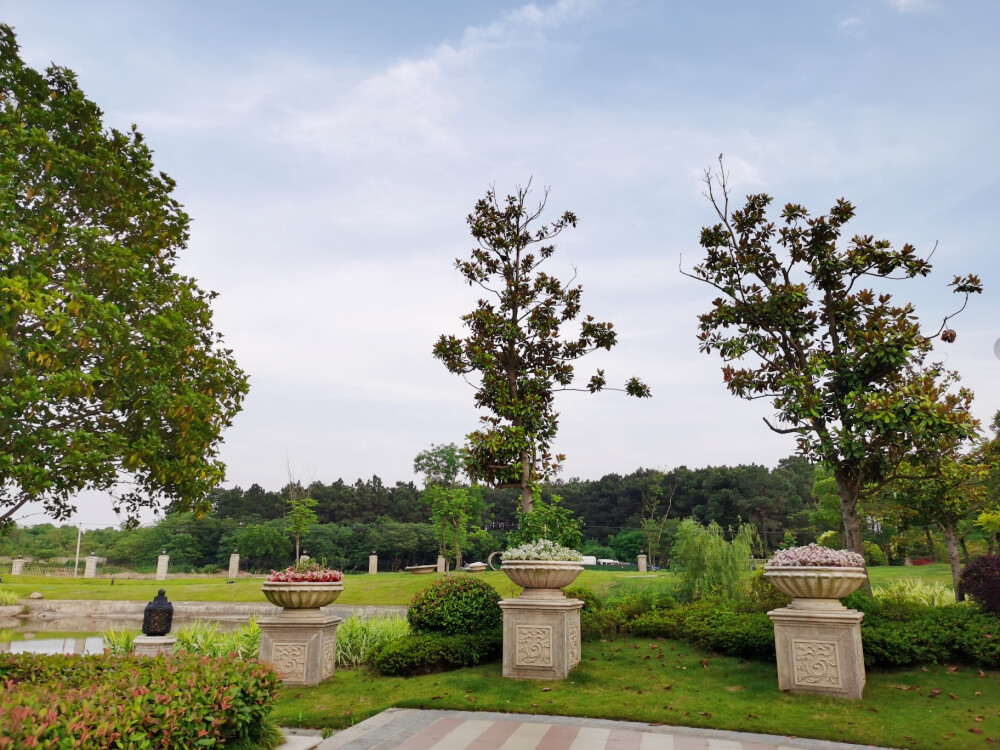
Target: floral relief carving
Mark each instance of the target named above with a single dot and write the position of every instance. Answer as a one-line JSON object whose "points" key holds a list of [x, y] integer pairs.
{"points": [[574, 644], [290, 660], [534, 646], [816, 663], [329, 658]]}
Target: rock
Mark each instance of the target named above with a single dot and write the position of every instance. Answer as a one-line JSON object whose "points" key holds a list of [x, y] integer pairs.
{"points": [[35, 595]]}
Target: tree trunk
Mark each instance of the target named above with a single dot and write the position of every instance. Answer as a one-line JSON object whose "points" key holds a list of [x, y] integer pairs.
{"points": [[930, 543], [848, 493], [527, 501], [965, 550], [458, 545], [956, 564]]}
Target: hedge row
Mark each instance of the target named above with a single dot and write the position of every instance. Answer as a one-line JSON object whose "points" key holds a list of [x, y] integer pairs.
{"points": [[105, 701], [893, 636], [433, 652]]}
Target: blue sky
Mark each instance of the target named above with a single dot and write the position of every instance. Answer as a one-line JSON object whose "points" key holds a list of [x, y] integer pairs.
{"points": [[328, 154]]}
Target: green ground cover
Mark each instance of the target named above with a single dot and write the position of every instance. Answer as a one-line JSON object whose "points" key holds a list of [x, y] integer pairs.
{"points": [[668, 682]]}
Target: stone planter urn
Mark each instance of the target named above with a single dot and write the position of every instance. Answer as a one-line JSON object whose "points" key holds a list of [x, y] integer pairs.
{"points": [[818, 588], [542, 579], [304, 595], [817, 640], [541, 627], [301, 639]]}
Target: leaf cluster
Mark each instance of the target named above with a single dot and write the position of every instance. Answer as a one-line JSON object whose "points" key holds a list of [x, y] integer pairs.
{"points": [[113, 378]]}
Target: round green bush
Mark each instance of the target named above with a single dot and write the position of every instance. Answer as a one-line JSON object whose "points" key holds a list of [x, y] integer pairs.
{"points": [[456, 605], [981, 581], [873, 554]]}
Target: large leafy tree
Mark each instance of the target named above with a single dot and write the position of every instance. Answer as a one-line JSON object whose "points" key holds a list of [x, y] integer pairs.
{"points": [[514, 342], [112, 375], [843, 365]]}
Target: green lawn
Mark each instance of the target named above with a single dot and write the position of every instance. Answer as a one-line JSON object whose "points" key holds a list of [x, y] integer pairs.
{"points": [[360, 588], [384, 588], [672, 683]]}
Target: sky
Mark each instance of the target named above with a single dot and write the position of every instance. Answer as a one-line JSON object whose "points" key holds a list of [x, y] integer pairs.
{"points": [[329, 153]]}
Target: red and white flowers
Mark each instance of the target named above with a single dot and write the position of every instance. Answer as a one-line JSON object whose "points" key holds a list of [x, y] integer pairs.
{"points": [[305, 572]]}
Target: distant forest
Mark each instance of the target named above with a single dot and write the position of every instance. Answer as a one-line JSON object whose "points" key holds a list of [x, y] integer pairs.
{"points": [[354, 519]]}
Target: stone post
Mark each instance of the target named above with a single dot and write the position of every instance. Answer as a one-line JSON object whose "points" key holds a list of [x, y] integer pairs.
{"points": [[301, 644], [234, 565], [90, 566], [819, 651], [541, 637], [161, 566], [153, 645], [442, 564], [372, 564], [17, 566], [642, 563]]}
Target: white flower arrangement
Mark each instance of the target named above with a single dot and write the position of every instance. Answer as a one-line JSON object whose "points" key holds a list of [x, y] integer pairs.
{"points": [[814, 556], [543, 549]]}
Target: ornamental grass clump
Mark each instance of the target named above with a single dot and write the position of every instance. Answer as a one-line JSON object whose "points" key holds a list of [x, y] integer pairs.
{"points": [[308, 571], [542, 549], [814, 556], [8, 598]]}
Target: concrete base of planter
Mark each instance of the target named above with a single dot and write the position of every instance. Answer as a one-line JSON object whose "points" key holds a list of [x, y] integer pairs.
{"points": [[153, 645], [301, 644], [819, 651], [541, 637]]}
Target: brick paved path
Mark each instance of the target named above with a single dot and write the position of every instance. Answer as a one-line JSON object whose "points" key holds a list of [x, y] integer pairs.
{"points": [[412, 729]]}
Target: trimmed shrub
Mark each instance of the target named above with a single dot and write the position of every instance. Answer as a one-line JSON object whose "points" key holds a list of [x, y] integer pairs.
{"points": [[873, 554], [456, 605], [981, 581], [592, 601], [174, 701], [433, 652], [712, 625], [894, 635]]}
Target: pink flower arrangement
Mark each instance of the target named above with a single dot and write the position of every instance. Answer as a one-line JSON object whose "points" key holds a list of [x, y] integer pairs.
{"points": [[814, 556], [305, 572]]}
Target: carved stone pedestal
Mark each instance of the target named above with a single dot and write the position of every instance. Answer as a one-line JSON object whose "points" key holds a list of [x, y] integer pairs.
{"points": [[541, 637], [153, 645], [301, 644], [819, 651]]}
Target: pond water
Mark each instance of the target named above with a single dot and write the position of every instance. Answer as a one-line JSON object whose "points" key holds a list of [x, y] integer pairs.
{"points": [[73, 635], [68, 644]]}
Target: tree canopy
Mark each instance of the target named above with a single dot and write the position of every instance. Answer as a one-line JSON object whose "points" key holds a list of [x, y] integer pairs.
{"points": [[113, 377], [514, 342], [843, 365]]}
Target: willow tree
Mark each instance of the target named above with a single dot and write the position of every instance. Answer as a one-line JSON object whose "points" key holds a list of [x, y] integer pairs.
{"points": [[515, 345], [842, 364], [112, 375]]}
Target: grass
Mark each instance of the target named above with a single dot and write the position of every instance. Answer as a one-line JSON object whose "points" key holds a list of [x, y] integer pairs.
{"points": [[361, 588], [668, 682]]}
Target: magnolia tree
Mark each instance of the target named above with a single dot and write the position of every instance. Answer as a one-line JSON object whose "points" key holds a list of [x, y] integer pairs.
{"points": [[842, 364], [113, 377], [515, 346]]}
